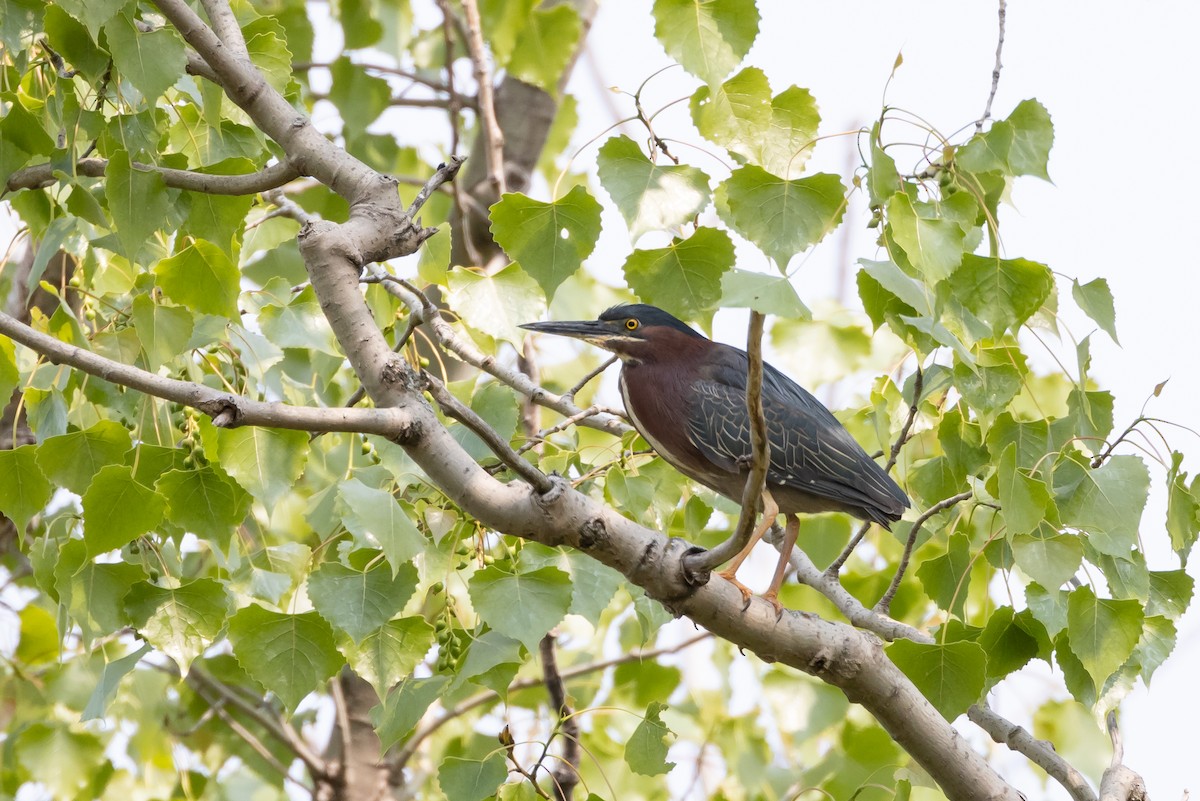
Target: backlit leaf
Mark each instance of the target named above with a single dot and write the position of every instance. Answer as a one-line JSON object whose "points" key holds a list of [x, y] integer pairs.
{"points": [[650, 196], [290, 655], [684, 277], [646, 751], [202, 278], [1103, 632], [360, 601], [117, 509], [549, 240], [951, 676], [523, 606], [708, 37], [781, 217]]}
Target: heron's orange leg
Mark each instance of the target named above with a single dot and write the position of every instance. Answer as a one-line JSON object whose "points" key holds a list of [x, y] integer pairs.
{"points": [[791, 531], [770, 512]]}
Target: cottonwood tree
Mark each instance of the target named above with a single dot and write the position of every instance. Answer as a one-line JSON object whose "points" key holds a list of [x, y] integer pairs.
{"points": [[289, 513]]}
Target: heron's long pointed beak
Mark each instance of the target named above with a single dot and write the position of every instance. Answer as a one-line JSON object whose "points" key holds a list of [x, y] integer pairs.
{"points": [[579, 329]]}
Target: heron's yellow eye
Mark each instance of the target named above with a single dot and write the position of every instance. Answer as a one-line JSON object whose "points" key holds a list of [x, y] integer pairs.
{"points": [[632, 324]]}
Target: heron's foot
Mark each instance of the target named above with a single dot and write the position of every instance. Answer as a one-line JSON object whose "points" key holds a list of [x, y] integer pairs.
{"points": [[772, 597], [747, 593]]}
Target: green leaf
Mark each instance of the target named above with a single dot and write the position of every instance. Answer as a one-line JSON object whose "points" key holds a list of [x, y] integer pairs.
{"points": [[951, 676], [1158, 641], [24, 490], [523, 606], [781, 217], [987, 389], [933, 243], [1103, 633], [378, 520], [202, 278], [93, 13], [138, 202], [549, 240], [117, 509], [1050, 561], [1019, 145], [471, 779], [1170, 593], [73, 41], [204, 502], [219, 219], [1003, 293], [290, 655], [404, 706], [1025, 500], [59, 758], [265, 461], [360, 98], [299, 323], [93, 594], [707, 37], [360, 601], [651, 197], [492, 661], [1049, 607], [769, 294], [10, 376], [1008, 647], [388, 654], [946, 578], [1096, 300], [110, 679], [1108, 504], [545, 46], [164, 331], [496, 304], [179, 621], [775, 133], [152, 61], [685, 277], [1183, 510], [646, 751]]}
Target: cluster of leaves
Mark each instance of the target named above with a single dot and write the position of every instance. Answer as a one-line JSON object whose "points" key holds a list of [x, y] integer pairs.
{"points": [[155, 545]]}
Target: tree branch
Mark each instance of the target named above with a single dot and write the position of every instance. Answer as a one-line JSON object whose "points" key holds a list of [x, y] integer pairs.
{"points": [[197, 677], [884, 604], [1039, 752], [37, 176], [566, 772], [451, 407], [1119, 783], [493, 135], [760, 458], [225, 409], [1002, 11]]}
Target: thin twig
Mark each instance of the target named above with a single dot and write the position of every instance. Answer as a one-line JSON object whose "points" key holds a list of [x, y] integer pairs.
{"points": [[987, 110], [444, 174], [1114, 734], [566, 772], [452, 407], [760, 458], [561, 426], [466, 350], [918, 384], [884, 606], [492, 133], [342, 715], [415, 77], [583, 382], [280, 730]]}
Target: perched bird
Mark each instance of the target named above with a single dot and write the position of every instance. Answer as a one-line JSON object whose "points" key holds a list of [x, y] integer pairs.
{"points": [[687, 396]]}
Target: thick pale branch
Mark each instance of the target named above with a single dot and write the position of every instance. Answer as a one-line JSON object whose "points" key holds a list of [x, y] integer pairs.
{"points": [[271, 177], [226, 410]]}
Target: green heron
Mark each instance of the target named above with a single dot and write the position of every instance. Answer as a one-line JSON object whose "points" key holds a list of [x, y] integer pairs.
{"points": [[686, 395]]}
